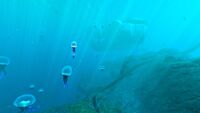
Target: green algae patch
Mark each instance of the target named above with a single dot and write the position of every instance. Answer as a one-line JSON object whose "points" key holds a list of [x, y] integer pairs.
{"points": [[84, 106], [81, 107]]}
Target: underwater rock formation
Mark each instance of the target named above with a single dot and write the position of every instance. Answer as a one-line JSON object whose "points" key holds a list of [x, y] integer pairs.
{"points": [[162, 82], [172, 87], [169, 84], [118, 35], [83, 106]]}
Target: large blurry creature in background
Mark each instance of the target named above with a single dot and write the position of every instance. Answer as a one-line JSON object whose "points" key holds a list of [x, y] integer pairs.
{"points": [[118, 35]]}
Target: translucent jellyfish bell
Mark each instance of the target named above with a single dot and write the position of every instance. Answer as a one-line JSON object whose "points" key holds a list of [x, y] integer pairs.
{"points": [[4, 62], [41, 90], [66, 73], [23, 102], [32, 86], [67, 70], [74, 44]]}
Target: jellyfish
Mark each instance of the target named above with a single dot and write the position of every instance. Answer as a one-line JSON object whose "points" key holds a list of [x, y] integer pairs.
{"points": [[4, 62], [41, 90], [32, 86], [66, 73], [24, 102], [101, 68], [74, 46]]}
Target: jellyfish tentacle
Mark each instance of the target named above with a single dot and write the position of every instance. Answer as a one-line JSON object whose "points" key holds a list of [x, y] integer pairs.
{"points": [[2, 74]]}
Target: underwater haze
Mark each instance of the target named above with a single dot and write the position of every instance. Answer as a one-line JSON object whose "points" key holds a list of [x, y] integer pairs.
{"points": [[99, 56]]}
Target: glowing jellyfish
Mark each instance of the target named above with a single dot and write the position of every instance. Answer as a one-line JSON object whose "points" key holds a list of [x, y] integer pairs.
{"points": [[4, 62], [66, 73], [118, 35], [41, 90], [32, 86], [24, 102], [101, 68], [74, 46]]}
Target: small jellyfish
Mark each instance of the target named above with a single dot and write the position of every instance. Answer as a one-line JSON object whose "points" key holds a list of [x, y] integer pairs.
{"points": [[66, 73], [101, 68], [24, 102], [4, 62], [32, 86], [74, 46], [41, 90]]}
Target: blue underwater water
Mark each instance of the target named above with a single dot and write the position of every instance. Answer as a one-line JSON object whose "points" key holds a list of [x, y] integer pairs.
{"points": [[2, 75], [37, 36]]}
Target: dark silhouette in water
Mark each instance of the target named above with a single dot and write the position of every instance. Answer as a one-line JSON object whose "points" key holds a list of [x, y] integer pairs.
{"points": [[2, 71], [4, 62], [65, 80], [95, 104]]}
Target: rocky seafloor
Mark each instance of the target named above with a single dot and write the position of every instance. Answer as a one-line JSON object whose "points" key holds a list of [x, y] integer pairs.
{"points": [[161, 82]]}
